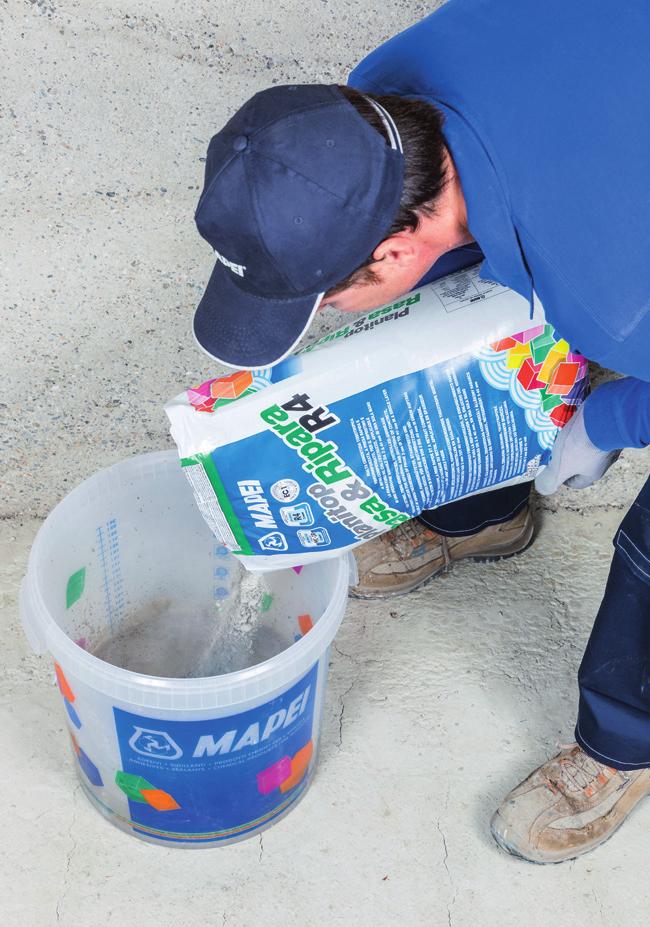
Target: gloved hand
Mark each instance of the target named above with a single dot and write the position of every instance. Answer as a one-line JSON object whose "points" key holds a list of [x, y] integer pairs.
{"points": [[576, 461]]}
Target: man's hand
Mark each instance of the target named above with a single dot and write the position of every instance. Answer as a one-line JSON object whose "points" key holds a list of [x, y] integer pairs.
{"points": [[576, 461]]}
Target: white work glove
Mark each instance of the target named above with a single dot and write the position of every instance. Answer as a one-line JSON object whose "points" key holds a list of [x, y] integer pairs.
{"points": [[576, 461]]}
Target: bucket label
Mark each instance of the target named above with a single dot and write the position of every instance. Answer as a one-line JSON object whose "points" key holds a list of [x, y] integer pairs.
{"points": [[220, 778]]}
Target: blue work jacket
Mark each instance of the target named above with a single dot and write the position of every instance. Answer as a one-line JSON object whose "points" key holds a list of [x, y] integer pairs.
{"points": [[547, 117]]}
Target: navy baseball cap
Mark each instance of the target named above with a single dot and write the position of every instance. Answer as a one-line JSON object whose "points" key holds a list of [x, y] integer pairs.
{"points": [[299, 190]]}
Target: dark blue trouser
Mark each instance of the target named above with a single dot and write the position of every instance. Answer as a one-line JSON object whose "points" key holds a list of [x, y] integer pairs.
{"points": [[614, 714], [471, 515]]}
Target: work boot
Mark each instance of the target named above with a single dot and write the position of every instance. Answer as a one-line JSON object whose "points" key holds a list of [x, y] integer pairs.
{"points": [[568, 806], [411, 554]]}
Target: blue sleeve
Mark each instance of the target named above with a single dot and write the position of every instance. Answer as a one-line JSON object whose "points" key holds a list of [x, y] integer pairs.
{"points": [[359, 82], [617, 414]]}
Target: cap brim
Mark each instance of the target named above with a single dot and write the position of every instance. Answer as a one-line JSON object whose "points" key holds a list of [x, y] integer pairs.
{"points": [[243, 331]]}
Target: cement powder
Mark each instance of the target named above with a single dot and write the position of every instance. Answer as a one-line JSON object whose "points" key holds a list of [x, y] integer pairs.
{"points": [[168, 639]]}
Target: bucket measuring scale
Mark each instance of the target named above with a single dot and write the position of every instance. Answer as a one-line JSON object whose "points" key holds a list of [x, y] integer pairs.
{"points": [[190, 762]]}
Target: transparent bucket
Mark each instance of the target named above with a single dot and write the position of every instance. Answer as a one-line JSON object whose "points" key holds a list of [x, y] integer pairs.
{"points": [[190, 762]]}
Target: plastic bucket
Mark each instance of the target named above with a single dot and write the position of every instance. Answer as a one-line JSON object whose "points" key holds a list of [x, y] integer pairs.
{"points": [[185, 761]]}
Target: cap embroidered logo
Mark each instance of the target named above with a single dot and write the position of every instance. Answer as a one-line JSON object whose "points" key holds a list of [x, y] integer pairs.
{"points": [[235, 268]]}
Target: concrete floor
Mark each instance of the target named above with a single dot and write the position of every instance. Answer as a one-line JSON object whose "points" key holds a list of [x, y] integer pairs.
{"points": [[439, 702]]}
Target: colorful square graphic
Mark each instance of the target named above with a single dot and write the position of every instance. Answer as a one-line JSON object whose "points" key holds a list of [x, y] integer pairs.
{"points": [[160, 800], [517, 355], [140, 790], [287, 772], [527, 375], [232, 386], [299, 765], [273, 776], [305, 624], [542, 363]]}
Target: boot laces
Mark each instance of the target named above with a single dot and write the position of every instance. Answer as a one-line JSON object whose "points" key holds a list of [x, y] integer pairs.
{"points": [[579, 771]]}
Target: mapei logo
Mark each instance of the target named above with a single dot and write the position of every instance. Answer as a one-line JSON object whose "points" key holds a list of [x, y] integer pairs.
{"points": [[158, 744], [235, 268]]}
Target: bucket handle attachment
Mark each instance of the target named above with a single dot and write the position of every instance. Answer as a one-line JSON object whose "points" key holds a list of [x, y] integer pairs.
{"points": [[27, 611]]}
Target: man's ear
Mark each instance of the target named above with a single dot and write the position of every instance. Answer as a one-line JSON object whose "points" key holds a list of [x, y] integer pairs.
{"points": [[399, 249]]}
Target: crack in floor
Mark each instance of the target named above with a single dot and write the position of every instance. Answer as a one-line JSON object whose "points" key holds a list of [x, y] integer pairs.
{"points": [[69, 854], [343, 698], [445, 863]]}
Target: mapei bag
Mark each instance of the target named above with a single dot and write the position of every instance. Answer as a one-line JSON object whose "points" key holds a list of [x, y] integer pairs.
{"points": [[449, 391]]}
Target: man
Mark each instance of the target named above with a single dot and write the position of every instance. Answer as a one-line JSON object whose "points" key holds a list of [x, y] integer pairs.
{"points": [[522, 127]]}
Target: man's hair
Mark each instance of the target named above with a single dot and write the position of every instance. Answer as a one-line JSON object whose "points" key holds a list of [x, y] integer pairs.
{"points": [[420, 127]]}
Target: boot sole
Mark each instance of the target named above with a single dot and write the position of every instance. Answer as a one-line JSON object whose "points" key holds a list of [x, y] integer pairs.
{"points": [[420, 584]]}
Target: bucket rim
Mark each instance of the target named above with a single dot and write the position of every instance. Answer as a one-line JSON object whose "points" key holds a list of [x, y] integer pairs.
{"points": [[163, 690]]}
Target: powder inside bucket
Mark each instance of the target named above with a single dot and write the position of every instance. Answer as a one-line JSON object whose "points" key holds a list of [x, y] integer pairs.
{"points": [[169, 639]]}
